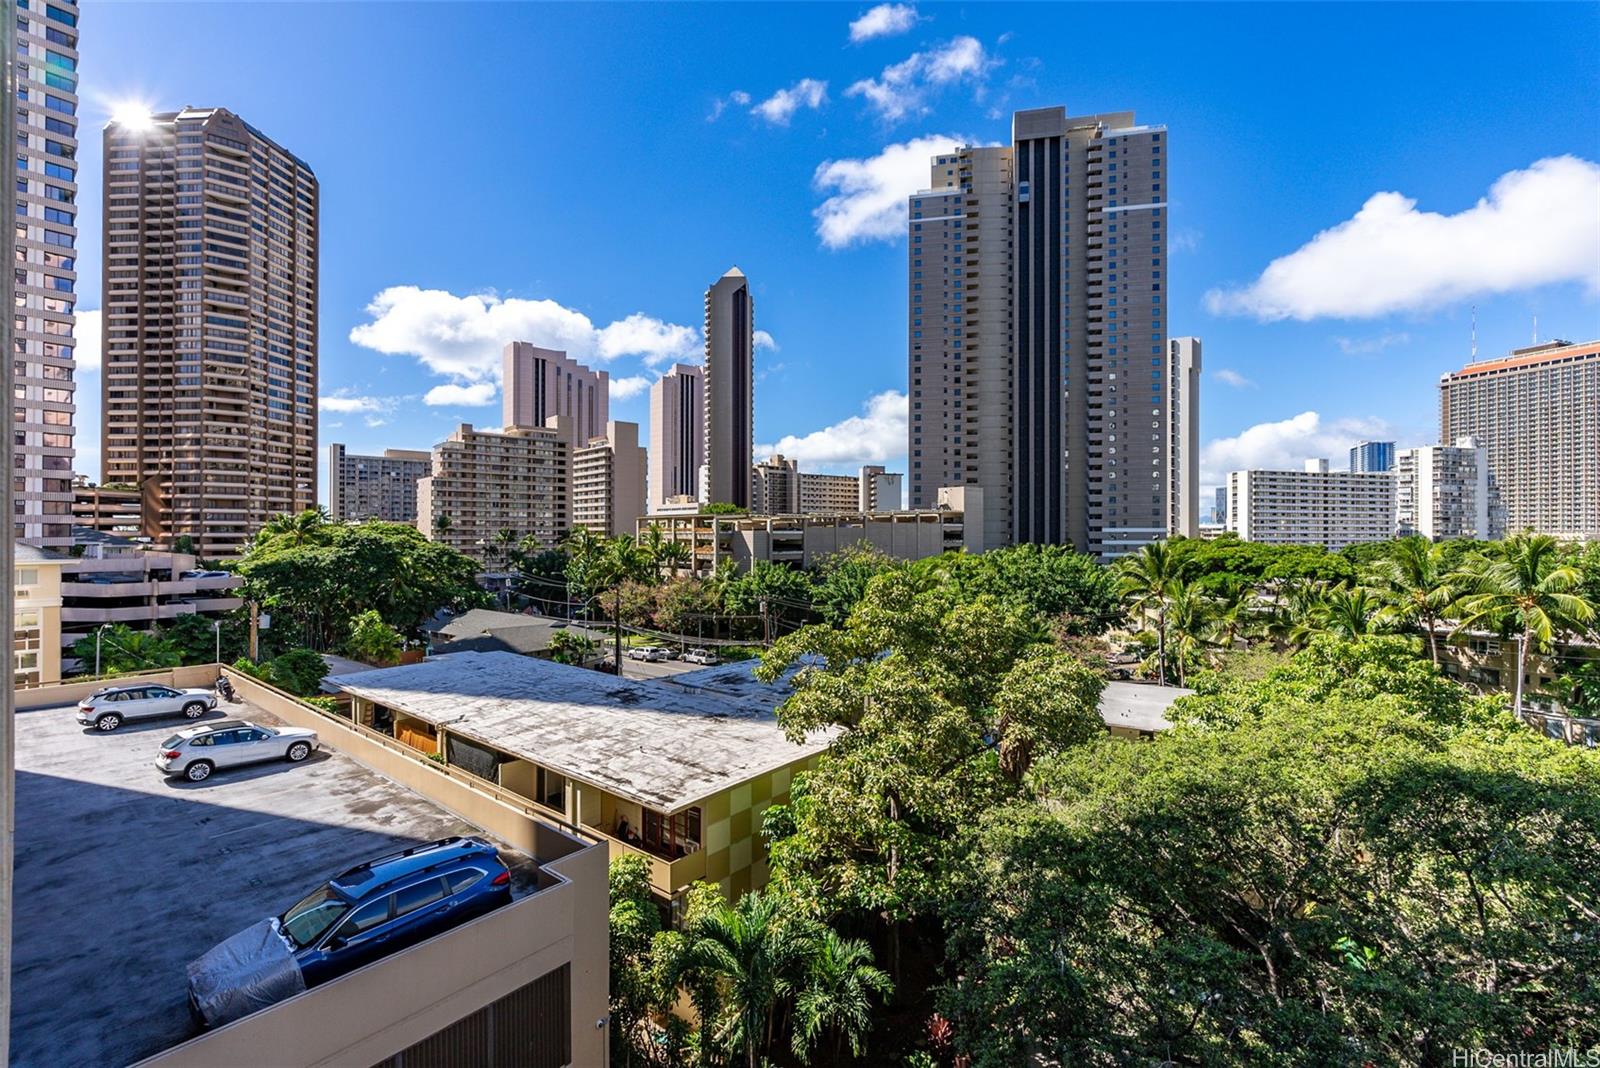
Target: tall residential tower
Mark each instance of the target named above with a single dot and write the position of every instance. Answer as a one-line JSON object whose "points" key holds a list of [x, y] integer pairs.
{"points": [[539, 383], [1536, 413], [677, 434], [1183, 436], [46, 71], [209, 380], [729, 397], [1038, 332]]}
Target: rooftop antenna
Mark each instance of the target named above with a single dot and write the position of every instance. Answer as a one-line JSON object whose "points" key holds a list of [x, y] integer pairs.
{"points": [[1535, 329], [1474, 334]]}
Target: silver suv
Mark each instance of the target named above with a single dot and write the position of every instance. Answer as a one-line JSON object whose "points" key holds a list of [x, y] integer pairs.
{"points": [[198, 751], [111, 707]]}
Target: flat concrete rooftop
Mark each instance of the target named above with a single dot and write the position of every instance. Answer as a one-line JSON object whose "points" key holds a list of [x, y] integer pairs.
{"points": [[1138, 706], [123, 876], [658, 743]]}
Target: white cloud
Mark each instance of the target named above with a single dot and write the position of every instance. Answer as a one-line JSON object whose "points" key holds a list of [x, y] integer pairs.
{"points": [[868, 196], [86, 342], [374, 421], [885, 20], [764, 340], [903, 88], [740, 97], [474, 395], [462, 336], [1367, 346], [632, 386], [1287, 444], [343, 401], [1229, 377], [1536, 227], [877, 435], [654, 340], [780, 107]]}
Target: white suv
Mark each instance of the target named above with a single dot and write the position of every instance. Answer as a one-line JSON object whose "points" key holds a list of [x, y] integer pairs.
{"points": [[111, 707]]}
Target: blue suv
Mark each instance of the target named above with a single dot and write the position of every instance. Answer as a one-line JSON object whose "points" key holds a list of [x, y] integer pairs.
{"points": [[355, 918], [395, 901]]}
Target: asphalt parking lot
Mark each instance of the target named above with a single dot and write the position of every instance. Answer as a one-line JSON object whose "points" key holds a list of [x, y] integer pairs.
{"points": [[123, 876]]}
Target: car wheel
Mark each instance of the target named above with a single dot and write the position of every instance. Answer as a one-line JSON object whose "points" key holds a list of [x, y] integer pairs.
{"points": [[108, 722], [194, 709], [199, 771], [298, 752]]}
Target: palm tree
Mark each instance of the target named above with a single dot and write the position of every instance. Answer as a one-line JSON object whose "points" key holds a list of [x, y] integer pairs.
{"points": [[1146, 579], [840, 985], [675, 556], [441, 525], [1524, 589], [301, 528], [1231, 609], [1417, 584], [750, 954], [1295, 612], [1351, 613], [654, 545], [1189, 616]]}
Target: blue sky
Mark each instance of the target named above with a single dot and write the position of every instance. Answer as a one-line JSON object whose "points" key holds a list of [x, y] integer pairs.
{"points": [[577, 175]]}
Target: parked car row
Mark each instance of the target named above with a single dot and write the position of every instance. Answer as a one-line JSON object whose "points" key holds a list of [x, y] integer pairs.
{"points": [[658, 653]]}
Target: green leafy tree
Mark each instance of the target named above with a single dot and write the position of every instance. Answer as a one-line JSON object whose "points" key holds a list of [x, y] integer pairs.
{"points": [[1334, 874], [839, 580], [784, 591], [195, 637], [123, 649], [1146, 580], [1413, 578], [573, 647], [752, 956], [1050, 581], [1524, 589], [298, 671], [1192, 621], [634, 921], [837, 995], [442, 525], [723, 508], [372, 641]]}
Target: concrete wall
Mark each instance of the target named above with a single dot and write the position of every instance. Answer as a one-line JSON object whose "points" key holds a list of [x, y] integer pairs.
{"points": [[72, 692]]}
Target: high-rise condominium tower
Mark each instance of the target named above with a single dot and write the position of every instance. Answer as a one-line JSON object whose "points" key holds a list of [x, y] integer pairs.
{"points": [[677, 434], [1372, 456], [730, 401], [209, 384], [1444, 492], [1090, 331], [1038, 332], [1183, 436], [46, 72], [1536, 413], [375, 487], [539, 383], [960, 342]]}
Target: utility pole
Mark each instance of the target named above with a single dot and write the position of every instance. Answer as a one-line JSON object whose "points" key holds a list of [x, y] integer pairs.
{"points": [[617, 630], [766, 626], [100, 630], [216, 625], [255, 629]]}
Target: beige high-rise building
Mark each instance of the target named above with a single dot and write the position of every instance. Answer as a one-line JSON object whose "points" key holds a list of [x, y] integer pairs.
{"points": [[209, 377], [1038, 332], [729, 398], [45, 66], [1315, 506], [375, 487], [880, 490], [1183, 436], [539, 383], [1536, 412], [677, 434], [608, 476], [483, 482], [1445, 491], [775, 487], [829, 494], [960, 334]]}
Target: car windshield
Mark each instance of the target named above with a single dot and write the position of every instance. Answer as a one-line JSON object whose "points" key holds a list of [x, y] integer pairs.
{"points": [[170, 742], [313, 915]]}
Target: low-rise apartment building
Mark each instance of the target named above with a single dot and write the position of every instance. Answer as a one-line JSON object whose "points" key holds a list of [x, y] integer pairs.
{"points": [[375, 487], [679, 772], [775, 486], [881, 490], [1444, 492], [1315, 506], [802, 540], [36, 621], [608, 473], [483, 482], [828, 494]]}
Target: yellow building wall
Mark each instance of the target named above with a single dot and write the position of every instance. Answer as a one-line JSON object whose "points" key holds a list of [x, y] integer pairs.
{"points": [[730, 830], [38, 598]]}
